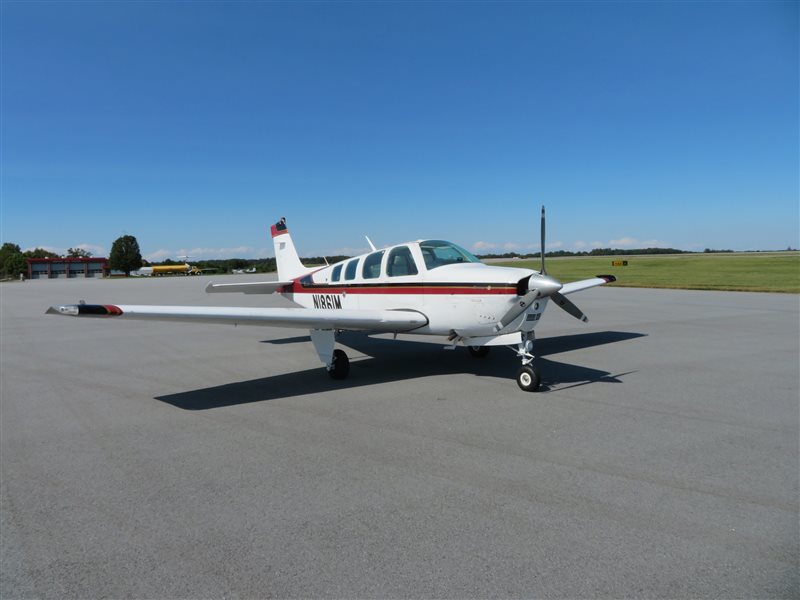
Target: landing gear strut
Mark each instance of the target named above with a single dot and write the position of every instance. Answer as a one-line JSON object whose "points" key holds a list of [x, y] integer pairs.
{"points": [[528, 378]]}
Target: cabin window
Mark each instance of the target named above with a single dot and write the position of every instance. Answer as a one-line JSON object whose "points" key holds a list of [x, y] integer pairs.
{"points": [[438, 253], [401, 262], [337, 272], [350, 270], [372, 265]]}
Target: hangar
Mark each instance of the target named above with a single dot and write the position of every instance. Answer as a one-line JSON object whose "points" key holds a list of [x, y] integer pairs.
{"points": [[56, 268]]}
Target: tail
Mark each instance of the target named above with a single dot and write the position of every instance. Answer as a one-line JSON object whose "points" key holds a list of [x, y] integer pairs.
{"points": [[288, 262]]}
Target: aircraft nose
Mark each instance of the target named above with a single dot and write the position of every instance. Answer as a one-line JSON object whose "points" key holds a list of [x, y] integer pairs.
{"points": [[545, 285]]}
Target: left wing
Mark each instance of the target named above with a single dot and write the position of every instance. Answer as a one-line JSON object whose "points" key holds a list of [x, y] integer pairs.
{"points": [[358, 320]]}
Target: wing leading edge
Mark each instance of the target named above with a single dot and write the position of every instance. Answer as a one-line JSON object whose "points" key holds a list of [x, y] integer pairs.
{"points": [[254, 287], [356, 320]]}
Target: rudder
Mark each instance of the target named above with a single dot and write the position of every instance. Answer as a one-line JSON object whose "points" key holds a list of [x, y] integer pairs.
{"points": [[286, 258]]}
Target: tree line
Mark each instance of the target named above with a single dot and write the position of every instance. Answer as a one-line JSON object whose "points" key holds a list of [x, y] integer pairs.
{"points": [[126, 257]]}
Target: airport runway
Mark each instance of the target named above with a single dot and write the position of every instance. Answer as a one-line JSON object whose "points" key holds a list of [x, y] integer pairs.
{"points": [[160, 460]]}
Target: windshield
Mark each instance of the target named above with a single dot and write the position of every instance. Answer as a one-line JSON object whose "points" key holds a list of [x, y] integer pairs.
{"points": [[438, 253]]}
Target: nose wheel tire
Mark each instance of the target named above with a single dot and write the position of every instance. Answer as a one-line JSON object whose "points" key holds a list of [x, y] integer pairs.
{"points": [[340, 367], [478, 351], [528, 379]]}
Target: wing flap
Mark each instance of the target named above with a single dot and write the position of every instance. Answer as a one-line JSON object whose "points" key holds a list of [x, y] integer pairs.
{"points": [[355, 320], [251, 287], [585, 284]]}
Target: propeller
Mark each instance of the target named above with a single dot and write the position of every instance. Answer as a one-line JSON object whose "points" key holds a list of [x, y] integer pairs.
{"points": [[539, 285]]}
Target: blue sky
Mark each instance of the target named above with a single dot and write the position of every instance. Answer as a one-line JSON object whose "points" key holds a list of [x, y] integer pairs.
{"points": [[195, 125]]}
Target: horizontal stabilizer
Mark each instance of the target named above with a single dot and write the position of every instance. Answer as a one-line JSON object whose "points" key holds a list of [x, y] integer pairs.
{"points": [[254, 287], [354, 320]]}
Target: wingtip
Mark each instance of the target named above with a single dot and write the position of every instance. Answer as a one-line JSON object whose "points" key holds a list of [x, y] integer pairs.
{"points": [[608, 278]]}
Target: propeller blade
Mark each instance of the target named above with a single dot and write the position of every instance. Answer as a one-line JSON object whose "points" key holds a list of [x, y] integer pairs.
{"points": [[520, 307], [568, 306], [539, 286], [542, 271]]}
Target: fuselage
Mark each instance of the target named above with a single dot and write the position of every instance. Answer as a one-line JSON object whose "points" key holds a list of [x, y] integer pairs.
{"points": [[452, 288]]}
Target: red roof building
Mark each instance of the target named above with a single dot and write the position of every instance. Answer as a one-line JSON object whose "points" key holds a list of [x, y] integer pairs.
{"points": [[56, 268]]}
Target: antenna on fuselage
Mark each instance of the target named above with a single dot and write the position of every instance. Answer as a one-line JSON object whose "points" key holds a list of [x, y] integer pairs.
{"points": [[371, 245]]}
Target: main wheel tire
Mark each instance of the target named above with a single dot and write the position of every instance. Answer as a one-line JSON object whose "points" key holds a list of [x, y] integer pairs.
{"points": [[479, 351], [528, 379], [341, 365]]}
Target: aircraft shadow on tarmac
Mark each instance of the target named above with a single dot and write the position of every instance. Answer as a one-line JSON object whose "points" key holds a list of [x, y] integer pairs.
{"points": [[397, 360]]}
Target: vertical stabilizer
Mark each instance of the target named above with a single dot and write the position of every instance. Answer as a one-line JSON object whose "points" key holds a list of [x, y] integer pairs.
{"points": [[288, 262]]}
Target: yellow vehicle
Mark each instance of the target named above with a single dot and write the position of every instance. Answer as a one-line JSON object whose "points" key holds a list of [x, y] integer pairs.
{"points": [[158, 270]]}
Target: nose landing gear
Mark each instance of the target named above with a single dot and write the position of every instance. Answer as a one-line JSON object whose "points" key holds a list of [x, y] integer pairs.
{"points": [[528, 378]]}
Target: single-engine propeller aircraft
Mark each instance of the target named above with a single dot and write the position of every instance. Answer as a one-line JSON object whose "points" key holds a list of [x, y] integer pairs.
{"points": [[427, 287]]}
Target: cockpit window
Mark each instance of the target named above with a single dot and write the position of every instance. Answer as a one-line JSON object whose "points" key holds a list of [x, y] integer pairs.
{"points": [[438, 253], [337, 271]]}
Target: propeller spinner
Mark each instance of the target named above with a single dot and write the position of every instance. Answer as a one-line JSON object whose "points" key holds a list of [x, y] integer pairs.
{"points": [[540, 285]]}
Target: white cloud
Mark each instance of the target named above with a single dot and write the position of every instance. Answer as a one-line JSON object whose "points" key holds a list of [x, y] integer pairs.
{"points": [[554, 245], [631, 242], [483, 246], [579, 245], [347, 251], [159, 255], [624, 242], [94, 249]]}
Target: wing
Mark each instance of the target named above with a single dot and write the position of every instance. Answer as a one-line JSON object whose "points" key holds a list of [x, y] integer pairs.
{"points": [[254, 287], [356, 320], [585, 284]]}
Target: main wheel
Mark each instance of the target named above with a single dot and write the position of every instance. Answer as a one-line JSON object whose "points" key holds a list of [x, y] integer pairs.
{"points": [[341, 365], [479, 351], [528, 379]]}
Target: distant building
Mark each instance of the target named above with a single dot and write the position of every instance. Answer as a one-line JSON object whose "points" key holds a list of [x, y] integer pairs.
{"points": [[58, 268]]}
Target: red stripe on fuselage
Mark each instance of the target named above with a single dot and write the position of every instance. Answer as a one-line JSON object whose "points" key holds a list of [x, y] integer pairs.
{"points": [[426, 289]]}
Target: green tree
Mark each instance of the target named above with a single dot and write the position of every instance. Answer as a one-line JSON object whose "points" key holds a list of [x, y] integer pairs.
{"points": [[6, 251], [40, 253], [125, 255], [15, 264], [78, 253]]}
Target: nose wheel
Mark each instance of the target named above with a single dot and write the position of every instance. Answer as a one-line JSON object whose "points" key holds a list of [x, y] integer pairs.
{"points": [[528, 378]]}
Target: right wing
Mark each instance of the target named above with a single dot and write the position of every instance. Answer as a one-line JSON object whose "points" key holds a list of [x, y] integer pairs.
{"points": [[307, 318], [254, 287], [585, 284]]}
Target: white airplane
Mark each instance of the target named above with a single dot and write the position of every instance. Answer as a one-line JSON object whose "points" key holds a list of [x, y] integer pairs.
{"points": [[427, 287]]}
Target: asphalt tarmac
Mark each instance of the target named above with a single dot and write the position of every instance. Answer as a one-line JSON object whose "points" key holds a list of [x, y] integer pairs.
{"points": [[160, 460]]}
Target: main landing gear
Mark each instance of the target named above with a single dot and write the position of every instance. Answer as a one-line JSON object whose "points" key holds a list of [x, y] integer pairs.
{"points": [[340, 365], [479, 351]]}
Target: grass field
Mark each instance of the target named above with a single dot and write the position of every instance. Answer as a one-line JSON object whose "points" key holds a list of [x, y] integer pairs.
{"points": [[747, 272]]}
